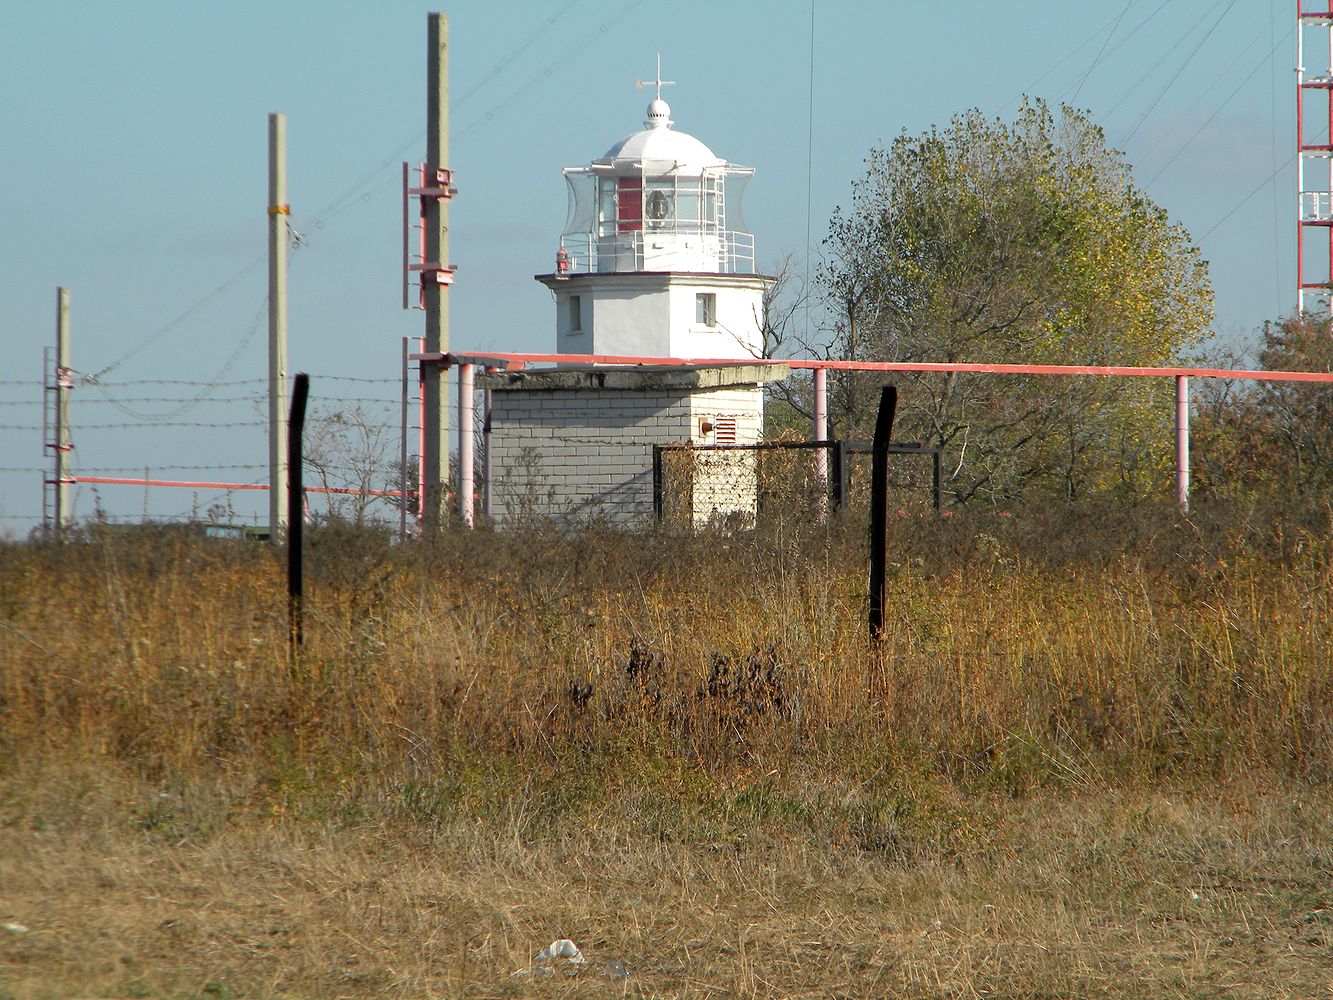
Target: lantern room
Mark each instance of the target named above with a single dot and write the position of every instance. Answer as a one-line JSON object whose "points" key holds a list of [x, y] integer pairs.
{"points": [[658, 200], [655, 259]]}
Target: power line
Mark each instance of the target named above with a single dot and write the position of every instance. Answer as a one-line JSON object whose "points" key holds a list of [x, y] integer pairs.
{"points": [[1199, 131], [160, 424], [169, 468], [1240, 204], [1093, 65], [1141, 78], [186, 405], [355, 378], [549, 70], [1170, 83], [1126, 37], [253, 398], [1205, 92], [1068, 56], [171, 325], [179, 381]]}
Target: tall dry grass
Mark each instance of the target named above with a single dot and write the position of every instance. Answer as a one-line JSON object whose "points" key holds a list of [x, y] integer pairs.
{"points": [[437, 679], [1088, 760]]}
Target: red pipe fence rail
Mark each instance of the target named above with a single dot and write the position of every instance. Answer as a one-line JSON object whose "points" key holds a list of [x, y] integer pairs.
{"points": [[511, 362]]}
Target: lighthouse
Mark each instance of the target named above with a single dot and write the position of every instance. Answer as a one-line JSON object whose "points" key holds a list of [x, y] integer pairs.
{"points": [[654, 262], [655, 259]]}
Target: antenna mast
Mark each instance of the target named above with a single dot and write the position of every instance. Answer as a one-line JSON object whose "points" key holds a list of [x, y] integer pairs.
{"points": [[1314, 161]]}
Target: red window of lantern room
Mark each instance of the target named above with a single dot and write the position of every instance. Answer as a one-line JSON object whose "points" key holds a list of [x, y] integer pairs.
{"points": [[629, 204]]}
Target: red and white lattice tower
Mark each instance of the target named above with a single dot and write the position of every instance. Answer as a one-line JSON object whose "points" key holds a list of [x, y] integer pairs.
{"points": [[1314, 155]]}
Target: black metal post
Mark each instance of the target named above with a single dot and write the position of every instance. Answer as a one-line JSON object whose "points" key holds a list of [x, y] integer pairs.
{"points": [[837, 453], [657, 481], [879, 508], [935, 479], [295, 512]]}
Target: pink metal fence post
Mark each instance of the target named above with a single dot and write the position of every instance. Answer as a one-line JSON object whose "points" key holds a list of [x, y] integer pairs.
{"points": [[821, 434], [486, 450], [466, 405], [1183, 442], [402, 449], [421, 436]]}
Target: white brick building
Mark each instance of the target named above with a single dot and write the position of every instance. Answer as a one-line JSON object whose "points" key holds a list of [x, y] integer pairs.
{"points": [[577, 444]]}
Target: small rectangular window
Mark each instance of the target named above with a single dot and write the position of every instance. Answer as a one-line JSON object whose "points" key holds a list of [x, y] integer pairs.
{"points": [[575, 313], [705, 309]]}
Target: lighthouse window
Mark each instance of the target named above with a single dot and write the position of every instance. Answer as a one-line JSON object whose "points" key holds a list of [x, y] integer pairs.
{"points": [[687, 210], [575, 314], [607, 208], [705, 309]]}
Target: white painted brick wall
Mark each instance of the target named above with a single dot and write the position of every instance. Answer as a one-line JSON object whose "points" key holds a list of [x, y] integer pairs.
{"points": [[587, 454]]}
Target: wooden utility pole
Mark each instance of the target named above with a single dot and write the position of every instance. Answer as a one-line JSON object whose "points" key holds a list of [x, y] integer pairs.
{"points": [[435, 276], [64, 382], [278, 212]]}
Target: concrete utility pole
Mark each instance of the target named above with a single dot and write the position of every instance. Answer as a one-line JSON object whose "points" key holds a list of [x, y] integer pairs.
{"points": [[434, 283], [64, 382], [278, 212]]}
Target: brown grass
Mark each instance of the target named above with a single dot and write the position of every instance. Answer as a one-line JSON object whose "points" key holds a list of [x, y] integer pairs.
{"points": [[681, 753]]}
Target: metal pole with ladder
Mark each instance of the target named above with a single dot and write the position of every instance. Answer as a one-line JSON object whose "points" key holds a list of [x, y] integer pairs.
{"points": [[1314, 158]]}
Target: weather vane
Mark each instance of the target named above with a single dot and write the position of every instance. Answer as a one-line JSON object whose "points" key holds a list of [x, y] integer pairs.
{"points": [[658, 82]]}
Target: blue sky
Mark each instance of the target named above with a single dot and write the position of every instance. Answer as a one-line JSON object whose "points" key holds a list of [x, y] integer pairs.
{"points": [[133, 170]]}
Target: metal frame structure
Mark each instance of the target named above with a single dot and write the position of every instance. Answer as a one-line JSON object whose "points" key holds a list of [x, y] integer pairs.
{"points": [[829, 454], [1314, 206], [441, 189]]}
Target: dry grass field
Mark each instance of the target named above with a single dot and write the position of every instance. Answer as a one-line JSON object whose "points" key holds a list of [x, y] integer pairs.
{"points": [[1089, 759]]}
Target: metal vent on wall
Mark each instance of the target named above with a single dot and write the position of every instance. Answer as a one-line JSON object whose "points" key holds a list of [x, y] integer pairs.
{"points": [[726, 430]]}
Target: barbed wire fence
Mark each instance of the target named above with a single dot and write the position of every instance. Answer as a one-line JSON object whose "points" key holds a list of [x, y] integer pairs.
{"points": [[348, 452]]}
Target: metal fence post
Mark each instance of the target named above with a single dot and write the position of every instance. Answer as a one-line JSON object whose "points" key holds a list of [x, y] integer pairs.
{"points": [[296, 514], [935, 479], [657, 481], [1183, 443], [838, 480], [879, 509]]}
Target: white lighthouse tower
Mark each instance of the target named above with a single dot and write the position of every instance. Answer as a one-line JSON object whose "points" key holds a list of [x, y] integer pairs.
{"points": [[655, 260]]}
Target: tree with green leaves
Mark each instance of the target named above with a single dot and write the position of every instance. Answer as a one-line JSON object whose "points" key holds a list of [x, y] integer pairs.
{"points": [[1021, 242], [1271, 440]]}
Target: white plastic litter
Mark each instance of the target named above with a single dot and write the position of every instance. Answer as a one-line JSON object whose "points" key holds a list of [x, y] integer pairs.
{"points": [[561, 948], [14, 928]]}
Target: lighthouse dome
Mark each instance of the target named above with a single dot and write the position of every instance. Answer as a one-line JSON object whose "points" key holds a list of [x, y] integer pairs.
{"points": [[660, 144]]}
